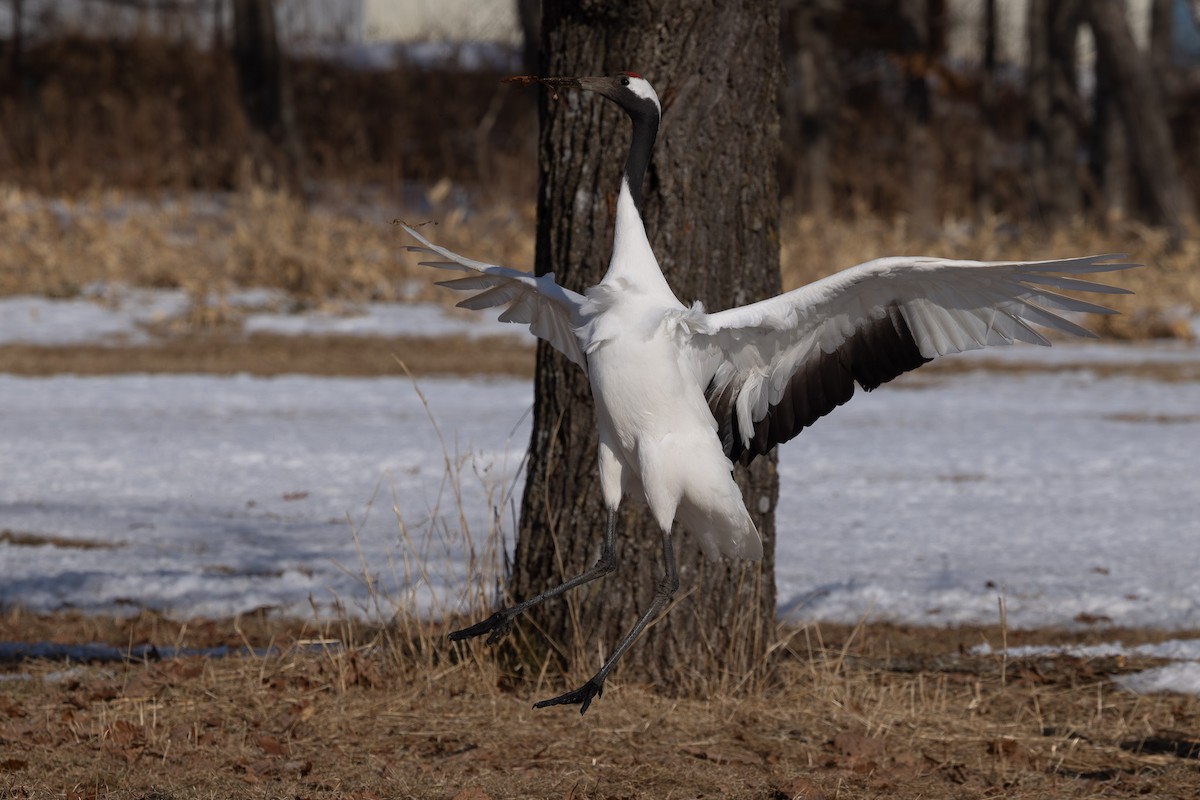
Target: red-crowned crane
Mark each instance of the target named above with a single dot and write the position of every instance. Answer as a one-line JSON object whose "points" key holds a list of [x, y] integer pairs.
{"points": [[681, 394]]}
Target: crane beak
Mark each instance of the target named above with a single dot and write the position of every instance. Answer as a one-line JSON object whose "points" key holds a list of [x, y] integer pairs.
{"points": [[563, 83], [553, 83], [599, 85]]}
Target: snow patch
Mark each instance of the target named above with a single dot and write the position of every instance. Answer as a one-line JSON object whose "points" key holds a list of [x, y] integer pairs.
{"points": [[116, 317], [1177, 678], [920, 503]]}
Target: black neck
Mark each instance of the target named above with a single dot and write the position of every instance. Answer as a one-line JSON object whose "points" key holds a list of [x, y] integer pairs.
{"points": [[645, 131]]}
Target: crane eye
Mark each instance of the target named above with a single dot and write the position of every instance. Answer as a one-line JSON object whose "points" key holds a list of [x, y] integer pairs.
{"points": [[624, 81]]}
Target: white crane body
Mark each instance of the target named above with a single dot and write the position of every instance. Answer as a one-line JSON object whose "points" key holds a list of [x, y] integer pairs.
{"points": [[681, 394]]}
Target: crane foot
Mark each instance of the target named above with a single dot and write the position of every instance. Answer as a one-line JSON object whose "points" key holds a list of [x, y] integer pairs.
{"points": [[583, 696], [496, 626]]}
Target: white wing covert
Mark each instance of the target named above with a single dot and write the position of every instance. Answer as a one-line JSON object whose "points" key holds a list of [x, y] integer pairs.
{"points": [[776, 366], [551, 312]]}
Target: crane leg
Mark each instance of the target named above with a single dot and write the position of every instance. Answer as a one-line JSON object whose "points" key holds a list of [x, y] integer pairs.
{"points": [[500, 623], [662, 597]]}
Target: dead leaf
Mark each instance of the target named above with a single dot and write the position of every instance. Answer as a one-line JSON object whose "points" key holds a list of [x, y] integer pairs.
{"points": [[181, 732], [363, 671], [296, 714], [802, 789], [13, 764], [858, 745], [19, 731], [181, 672], [11, 708], [271, 746], [99, 693], [472, 793], [142, 684], [724, 756], [123, 733], [1008, 749]]}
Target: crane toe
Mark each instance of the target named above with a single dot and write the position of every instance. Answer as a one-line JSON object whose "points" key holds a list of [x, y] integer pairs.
{"points": [[497, 625], [582, 696]]}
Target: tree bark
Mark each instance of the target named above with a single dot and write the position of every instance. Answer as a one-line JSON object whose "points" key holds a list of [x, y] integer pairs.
{"points": [[916, 44], [1107, 161], [1139, 100], [1162, 43], [982, 173], [263, 85], [16, 67], [1055, 109], [529, 15], [808, 106], [712, 215]]}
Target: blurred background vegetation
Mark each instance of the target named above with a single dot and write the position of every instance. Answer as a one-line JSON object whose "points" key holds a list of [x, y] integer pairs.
{"points": [[214, 144]]}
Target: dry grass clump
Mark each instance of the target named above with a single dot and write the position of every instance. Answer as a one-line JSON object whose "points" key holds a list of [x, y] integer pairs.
{"points": [[342, 249], [873, 712], [1166, 290]]}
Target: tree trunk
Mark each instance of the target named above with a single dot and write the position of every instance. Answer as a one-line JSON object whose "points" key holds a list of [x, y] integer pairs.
{"points": [[1138, 98], [808, 109], [1055, 109], [712, 215], [1162, 43], [1107, 161], [16, 67], [263, 87], [916, 44], [982, 175], [529, 15]]}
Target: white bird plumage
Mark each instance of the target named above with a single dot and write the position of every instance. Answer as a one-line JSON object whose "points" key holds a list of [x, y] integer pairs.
{"points": [[680, 394]]}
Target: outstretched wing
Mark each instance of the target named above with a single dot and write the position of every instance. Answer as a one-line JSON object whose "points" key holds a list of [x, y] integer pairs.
{"points": [[776, 366], [551, 312]]}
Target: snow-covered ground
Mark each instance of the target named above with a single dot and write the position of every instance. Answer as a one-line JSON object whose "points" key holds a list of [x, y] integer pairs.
{"points": [[1182, 674], [1068, 493], [117, 317], [1072, 495]]}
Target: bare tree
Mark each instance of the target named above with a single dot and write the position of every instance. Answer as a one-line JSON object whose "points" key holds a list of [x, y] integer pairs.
{"points": [[1108, 164], [1055, 110], [1162, 45], [1139, 99], [263, 84], [917, 46], [529, 14], [16, 57], [712, 215], [808, 104], [982, 174]]}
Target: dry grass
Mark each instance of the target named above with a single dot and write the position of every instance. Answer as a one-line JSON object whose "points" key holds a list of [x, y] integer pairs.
{"points": [[341, 708], [224, 353], [1167, 289], [344, 250], [872, 712]]}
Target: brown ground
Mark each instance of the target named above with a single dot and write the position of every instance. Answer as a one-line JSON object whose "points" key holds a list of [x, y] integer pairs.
{"points": [[878, 712], [364, 356], [266, 354]]}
